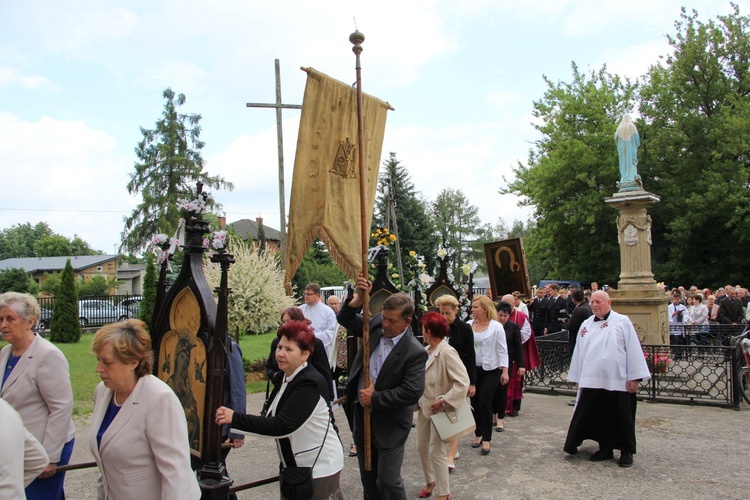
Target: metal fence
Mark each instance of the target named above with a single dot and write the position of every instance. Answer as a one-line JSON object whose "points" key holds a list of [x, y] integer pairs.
{"points": [[98, 310], [691, 373]]}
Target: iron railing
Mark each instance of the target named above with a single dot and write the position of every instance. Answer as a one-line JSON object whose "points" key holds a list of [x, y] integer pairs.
{"points": [[680, 373]]}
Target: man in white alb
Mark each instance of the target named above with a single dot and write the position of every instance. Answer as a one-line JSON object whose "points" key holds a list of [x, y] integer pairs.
{"points": [[322, 318], [607, 364]]}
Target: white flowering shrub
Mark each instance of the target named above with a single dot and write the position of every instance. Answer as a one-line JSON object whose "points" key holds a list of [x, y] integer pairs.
{"points": [[257, 284]]}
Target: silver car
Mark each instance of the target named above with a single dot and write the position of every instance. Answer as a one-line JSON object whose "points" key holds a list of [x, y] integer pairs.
{"points": [[99, 312]]}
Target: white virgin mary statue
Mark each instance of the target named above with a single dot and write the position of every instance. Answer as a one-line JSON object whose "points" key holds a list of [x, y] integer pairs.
{"points": [[627, 141]]}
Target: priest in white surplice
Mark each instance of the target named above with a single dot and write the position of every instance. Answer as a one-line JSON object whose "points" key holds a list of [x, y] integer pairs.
{"points": [[321, 317], [608, 364]]}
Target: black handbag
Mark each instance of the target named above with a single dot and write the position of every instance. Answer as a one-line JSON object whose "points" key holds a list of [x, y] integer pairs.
{"points": [[297, 482]]}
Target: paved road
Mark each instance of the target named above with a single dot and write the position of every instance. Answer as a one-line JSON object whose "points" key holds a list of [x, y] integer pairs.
{"points": [[683, 452]]}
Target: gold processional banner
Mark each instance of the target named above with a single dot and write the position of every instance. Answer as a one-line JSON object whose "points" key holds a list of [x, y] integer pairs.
{"points": [[325, 185]]}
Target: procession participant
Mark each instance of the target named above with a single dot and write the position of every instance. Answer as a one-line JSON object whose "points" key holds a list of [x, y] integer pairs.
{"points": [[531, 358], [138, 435], [608, 364], [515, 362], [491, 352], [36, 383], [461, 338], [397, 365], [299, 417], [322, 319], [446, 383], [23, 457]]}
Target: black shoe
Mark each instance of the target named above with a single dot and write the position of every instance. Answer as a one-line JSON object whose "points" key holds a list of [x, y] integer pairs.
{"points": [[514, 413], [570, 451], [572, 402], [626, 459], [601, 455]]}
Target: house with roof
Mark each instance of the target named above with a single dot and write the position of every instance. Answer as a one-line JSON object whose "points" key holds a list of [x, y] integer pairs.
{"points": [[248, 231], [84, 266]]}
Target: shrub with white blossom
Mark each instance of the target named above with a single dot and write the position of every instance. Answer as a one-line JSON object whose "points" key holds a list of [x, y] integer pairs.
{"points": [[257, 282]]}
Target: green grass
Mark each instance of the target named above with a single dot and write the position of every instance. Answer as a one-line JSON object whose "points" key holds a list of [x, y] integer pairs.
{"points": [[83, 375]]}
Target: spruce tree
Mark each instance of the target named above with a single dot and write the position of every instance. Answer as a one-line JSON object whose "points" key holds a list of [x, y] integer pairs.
{"points": [[65, 325], [149, 292]]}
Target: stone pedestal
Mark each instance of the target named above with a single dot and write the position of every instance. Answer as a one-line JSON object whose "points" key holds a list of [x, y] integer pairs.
{"points": [[637, 294]]}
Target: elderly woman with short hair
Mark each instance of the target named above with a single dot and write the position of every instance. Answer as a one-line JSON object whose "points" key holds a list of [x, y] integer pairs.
{"points": [[446, 383], [139, 435], [36, 382], [461, 338]]}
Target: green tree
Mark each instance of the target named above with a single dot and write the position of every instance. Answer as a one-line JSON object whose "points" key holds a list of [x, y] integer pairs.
{"points": [[19, 239], [50, 284], [455, 220], [149, 292], [65, 325], [81, 247], [569, 172], [317, 267], [96, 286], [415, 231], [696, 151], [15, 280], [169, 166], [53, 246]]}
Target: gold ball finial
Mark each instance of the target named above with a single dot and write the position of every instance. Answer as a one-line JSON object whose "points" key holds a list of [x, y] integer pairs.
{"points": [[356, 39]]}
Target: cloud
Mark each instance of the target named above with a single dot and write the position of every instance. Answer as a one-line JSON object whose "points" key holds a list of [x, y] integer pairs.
{"points": [[63, 173], [10, 76]]}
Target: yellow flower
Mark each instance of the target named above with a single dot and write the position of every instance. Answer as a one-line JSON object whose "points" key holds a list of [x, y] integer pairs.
{"points": [[394, 275], [412, 254], [372, 235], [392, 237]]}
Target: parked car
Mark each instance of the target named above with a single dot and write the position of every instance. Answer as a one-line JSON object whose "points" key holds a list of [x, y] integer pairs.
{"points": [[98, 312], [133, 305]]}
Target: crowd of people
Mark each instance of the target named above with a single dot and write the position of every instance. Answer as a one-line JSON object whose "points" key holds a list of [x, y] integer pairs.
{"points": [[139, 439]]}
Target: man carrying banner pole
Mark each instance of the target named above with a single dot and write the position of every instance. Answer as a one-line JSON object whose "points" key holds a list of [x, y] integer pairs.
{"points": [[327, 201]]}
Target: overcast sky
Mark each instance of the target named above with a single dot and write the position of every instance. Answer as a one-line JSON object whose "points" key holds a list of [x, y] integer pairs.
{"points": [[79, 77]]}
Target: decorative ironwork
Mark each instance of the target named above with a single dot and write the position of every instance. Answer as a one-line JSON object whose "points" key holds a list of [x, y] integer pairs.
{"points": [[692, 374]]}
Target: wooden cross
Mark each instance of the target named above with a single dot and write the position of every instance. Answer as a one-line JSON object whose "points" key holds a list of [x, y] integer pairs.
{"points": [[279, 106]]}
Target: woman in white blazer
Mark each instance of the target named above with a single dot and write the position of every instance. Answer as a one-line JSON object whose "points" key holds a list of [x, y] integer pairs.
{"points": [[446, 386], [298, 417], [138, 433], [36, 383]]}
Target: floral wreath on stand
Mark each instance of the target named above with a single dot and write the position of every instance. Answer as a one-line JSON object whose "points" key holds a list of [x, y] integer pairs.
{"points": [[384, 238], [459, 288], [417, 279]]}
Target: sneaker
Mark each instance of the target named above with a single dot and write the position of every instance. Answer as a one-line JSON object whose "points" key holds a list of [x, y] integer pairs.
{"points": [[601, 455]]}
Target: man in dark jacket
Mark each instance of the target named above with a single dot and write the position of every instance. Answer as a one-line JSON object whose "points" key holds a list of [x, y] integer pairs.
{"points": [[397, 366], [581, 312], [557, 311]]}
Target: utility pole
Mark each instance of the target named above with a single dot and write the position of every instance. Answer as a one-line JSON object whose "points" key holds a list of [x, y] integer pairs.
{"points": [[279, 135], [390, 211]]}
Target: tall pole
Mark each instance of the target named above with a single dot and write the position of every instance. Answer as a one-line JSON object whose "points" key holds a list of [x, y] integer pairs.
{"points": [[279, 135], [356, 39], [280, 144]]}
